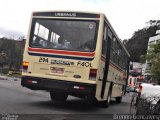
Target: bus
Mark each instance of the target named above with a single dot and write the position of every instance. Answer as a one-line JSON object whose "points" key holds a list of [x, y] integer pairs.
{"points": [[75, 53]]}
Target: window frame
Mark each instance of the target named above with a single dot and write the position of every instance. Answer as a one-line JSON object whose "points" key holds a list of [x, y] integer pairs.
{"points": [[33, 28]]}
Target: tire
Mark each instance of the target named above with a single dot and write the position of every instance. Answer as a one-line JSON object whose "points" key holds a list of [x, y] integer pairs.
{"points": [[119, 99], [58, 96], [106, 103]]}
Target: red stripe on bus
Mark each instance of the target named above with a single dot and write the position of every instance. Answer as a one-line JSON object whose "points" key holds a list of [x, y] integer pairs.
{"points": [[87, 54]]}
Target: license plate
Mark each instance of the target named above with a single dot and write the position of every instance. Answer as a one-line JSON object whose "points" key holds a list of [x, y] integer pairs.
{"points": [[57, 70]]}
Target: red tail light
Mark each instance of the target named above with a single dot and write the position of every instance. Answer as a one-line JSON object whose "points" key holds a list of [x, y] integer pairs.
{"points": [[32, 82], [92, 74], [79, 87], [29, 81], [140, 88]]}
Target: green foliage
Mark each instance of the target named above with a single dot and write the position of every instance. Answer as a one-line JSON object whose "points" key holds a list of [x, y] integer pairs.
{"points": [[3, 58], [138, 43], [142, 59], [14, 73], [13, 51], [153, 57]]}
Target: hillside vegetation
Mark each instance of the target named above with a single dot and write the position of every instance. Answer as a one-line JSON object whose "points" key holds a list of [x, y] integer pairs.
{"points": [[138, 43], [11, 52]]}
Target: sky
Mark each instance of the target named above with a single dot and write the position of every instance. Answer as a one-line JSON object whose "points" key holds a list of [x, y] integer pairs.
{"points": [[126, 16]]}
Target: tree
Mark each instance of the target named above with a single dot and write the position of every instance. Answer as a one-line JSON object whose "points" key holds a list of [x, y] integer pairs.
{"points": [[153, 56], [138, 43], [14, 51], [3, 58]]}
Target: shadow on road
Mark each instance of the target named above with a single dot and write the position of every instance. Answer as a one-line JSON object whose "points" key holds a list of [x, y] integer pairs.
{"points": [[76, 105]]}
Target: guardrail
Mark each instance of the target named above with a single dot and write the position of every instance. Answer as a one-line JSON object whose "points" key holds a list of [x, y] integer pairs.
{"points": [[145, 105]]}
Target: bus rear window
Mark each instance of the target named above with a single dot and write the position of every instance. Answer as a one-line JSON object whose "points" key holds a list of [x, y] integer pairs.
{"points": [[63, 34]]}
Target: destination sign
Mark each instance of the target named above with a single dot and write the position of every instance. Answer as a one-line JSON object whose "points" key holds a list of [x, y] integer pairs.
{"points": [[66, 14]]}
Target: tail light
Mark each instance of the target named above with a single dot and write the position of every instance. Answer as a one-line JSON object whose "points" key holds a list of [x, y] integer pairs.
{"points": [[31, 81], [79, 87], [25, 65], [92, 74], [140, 88]]}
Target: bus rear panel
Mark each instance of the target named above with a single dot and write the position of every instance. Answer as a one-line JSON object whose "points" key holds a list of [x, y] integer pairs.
{"points": [[75, 53], [60, 53]]}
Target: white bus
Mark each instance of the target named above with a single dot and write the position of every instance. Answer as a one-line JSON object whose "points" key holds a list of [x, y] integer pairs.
{"points": [[75, 53]]}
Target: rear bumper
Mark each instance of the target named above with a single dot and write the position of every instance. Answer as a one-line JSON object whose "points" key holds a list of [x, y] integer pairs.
{"points": [[71, 88]]}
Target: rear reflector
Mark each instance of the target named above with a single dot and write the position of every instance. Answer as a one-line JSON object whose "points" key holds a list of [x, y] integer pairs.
{"points": [[92, 74], [31, 81], [79, 87]]}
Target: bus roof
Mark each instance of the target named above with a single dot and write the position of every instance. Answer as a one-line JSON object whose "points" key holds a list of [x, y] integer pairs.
{"points": [[67, 14]]}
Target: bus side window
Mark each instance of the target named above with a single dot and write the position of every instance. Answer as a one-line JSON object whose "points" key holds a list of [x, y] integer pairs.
{"points": [[110, 36], [112, 56], [107, 36], [104, 47], [104, 42]]}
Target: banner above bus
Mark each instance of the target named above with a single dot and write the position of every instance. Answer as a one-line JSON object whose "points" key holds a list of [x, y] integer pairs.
{"points": [[66, 14]]}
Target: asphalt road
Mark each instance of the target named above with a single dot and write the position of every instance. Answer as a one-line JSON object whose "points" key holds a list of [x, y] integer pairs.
{"points": [[19, 103]]}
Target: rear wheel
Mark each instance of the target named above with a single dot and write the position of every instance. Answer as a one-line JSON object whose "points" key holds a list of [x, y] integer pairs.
{"points": [[58, 96], [119, 99], [106, 102]]}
